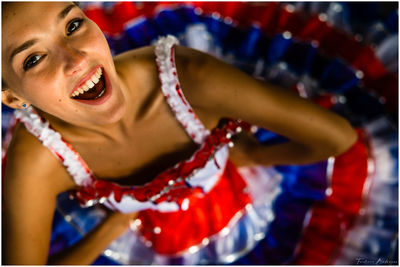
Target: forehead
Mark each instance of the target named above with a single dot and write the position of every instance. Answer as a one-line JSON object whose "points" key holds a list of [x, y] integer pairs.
{"points": [[20, 20], [14, 12]]}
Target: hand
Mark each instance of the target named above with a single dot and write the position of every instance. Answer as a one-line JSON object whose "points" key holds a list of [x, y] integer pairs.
{"points": [[94, 242], [241, 153], [122, 220]]}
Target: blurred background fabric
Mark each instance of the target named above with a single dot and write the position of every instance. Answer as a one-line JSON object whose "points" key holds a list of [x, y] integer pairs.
{"points": [[340, 55]]}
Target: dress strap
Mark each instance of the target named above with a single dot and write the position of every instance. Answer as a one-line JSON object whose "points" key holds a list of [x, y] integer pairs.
{"points": [[165, 58], [51, 139]]}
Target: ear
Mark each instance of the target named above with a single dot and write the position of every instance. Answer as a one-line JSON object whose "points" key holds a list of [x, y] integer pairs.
{"points": [[12, 100]]}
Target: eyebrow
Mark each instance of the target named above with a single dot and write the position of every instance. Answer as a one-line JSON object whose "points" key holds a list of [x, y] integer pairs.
{"points": [[65, 12], [30, 43], [22, 47]]}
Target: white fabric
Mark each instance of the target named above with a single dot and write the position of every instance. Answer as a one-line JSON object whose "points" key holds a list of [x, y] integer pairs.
{"points": [[52, 140], [183, 112], [208, 176], [129, 205]]}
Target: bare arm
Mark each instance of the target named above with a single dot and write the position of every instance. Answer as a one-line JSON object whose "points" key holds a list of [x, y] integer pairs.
{"points": [[220, 89], [92, 245], [33, 179]]}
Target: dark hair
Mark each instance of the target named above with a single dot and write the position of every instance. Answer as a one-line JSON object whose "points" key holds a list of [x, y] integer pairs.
{"points": [[3, 85]]}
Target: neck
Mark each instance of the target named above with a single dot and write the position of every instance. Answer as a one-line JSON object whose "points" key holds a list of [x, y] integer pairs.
{"points": [[71, 132]]}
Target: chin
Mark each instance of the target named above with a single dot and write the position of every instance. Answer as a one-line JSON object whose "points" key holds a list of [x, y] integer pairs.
{"points": [[113, 115]]}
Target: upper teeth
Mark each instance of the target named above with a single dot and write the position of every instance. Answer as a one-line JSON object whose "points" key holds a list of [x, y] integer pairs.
{"points": [[89, 83]]}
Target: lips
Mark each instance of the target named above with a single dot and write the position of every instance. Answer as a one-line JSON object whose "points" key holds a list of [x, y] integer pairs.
{"points": [[93, 93], [93, 89]]}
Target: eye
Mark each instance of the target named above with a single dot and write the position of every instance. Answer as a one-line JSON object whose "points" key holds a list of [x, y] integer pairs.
{"points": [[31, 61], [73, 26]]}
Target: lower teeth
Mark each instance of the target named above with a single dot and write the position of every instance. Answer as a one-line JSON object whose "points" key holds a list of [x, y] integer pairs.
{"points": [[101, 94]]}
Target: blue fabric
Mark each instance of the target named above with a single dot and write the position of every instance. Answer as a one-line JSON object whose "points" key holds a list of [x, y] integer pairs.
{"points": [[392, 22], [338, 77], [267, 137], [302, 186], [169, 22], [299, 56], [248, 48], [277, 49], [142, 32]]}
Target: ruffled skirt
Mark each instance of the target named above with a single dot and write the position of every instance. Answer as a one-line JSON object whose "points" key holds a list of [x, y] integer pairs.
{"points": [[343, 56]]}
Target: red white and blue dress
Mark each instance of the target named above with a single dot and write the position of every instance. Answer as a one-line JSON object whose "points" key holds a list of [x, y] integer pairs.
{"points": [[204, 210]]}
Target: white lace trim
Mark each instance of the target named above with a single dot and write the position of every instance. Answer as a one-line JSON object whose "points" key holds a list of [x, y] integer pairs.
{"points": [[53, 141], [169, 85]]}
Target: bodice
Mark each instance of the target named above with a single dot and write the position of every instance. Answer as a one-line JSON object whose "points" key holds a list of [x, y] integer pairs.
{"points": [[170, 189]]}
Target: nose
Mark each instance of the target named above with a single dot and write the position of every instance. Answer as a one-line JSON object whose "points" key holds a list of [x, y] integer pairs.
{"points": [[74, 59]]}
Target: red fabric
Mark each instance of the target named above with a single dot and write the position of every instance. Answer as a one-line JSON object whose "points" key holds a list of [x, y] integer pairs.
{"points": [[235, 10], [338, 43], [207, 215], [324, 100], [367, 61], [331, 218], [267, 17], [99, 16], [122, 13], [314, 29], [387, 87], [289, 21], [273, 18], [177, 174]]}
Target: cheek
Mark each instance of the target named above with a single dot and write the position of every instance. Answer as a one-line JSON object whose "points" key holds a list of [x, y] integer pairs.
{"points": [[98, 42], [43, 89]]}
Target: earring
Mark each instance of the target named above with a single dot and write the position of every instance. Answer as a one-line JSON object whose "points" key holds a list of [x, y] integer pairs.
{"points": [[24, 105]]}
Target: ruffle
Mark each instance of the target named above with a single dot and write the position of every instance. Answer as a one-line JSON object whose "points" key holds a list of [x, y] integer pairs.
{"points": [[242, 232], [372, 239], [175, 184], [255, 37], [331, 218], [343, 56], [170, 86], [340, 55], [343, 60], [54, 142]]}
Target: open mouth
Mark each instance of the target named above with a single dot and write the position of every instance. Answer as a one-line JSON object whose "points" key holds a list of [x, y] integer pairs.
{"points": [[94, 88]]}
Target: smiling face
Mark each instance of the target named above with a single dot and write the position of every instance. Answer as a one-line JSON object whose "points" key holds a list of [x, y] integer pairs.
{"points": [[56, 59]]}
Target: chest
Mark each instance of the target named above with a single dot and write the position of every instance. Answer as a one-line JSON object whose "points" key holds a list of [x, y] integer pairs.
{"points": [[152, 146]]}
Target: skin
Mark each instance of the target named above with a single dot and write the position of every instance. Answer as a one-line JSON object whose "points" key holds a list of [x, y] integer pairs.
{"points": [[133, 136]]}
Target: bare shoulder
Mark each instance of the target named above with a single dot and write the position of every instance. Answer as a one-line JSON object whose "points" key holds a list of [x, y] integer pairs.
{"points": [[31, 163], [192, 66], [137, 66], [195, 69], [201, 74], [135, 56]]}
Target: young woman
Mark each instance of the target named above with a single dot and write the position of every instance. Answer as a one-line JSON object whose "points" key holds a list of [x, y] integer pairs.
{"points": [[128, 133]]}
